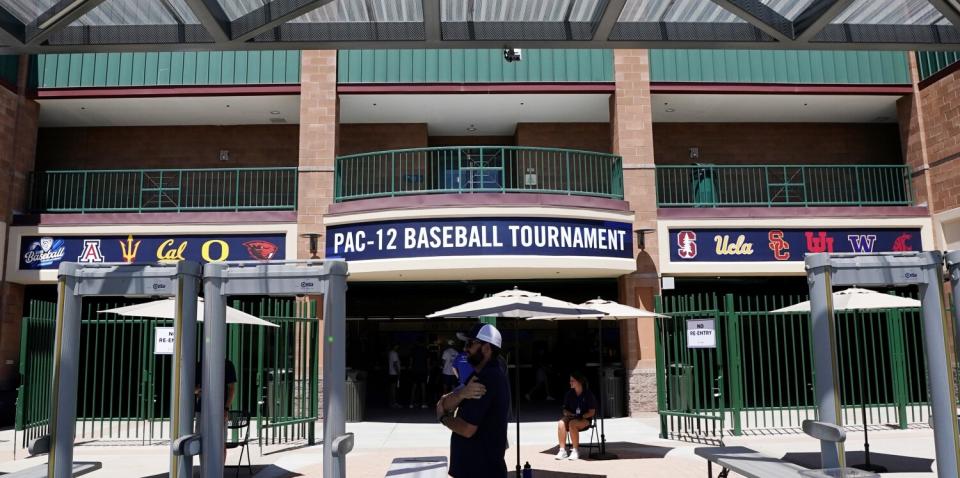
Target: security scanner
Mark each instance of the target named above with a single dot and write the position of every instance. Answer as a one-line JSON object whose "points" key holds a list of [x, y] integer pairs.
{"points": [[179, 280], [274, 278], [923, 269]]}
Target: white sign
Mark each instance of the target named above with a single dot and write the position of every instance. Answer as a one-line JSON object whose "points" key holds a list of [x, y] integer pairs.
{"points": [[163, 341], [701, 334]]}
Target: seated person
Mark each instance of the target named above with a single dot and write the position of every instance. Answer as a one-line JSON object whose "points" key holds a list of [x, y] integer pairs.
{"points": [[579, 408]]}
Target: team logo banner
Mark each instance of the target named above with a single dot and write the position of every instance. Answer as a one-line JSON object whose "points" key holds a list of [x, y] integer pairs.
{"points": [[47, 252], [779, 245], [484, 236]]}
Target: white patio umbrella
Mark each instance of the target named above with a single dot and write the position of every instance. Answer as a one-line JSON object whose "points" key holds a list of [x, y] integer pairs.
{"points": [[855, 298], [518, 304], [614, 311], [167, 308]]}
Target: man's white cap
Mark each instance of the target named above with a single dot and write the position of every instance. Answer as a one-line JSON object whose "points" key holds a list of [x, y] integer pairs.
{"points": [[486, 333]]}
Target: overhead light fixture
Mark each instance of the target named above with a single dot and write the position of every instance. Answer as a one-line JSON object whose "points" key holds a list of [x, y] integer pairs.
{"points": [[62, 13], [472, 129], [669, 110], [641, 234], [274, 112]]}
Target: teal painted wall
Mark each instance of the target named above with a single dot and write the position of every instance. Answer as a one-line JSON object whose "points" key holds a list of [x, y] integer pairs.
{"points": [[81, 70], [8, 69], [931, 62], [473, 66], [789, 66]]}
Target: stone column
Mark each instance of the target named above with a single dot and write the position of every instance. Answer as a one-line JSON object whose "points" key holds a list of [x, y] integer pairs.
{"points": [[319, 126], [19, 117], [632, 128]]}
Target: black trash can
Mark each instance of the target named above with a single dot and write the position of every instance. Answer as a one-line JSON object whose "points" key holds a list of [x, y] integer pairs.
{"points": [[704, 194], [613, 388], [356, 395], [680, 387]]}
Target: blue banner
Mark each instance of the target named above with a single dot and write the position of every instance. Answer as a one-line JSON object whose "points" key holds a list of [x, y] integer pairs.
{"points": [[480, 236], [46, 252], [777, 245]]}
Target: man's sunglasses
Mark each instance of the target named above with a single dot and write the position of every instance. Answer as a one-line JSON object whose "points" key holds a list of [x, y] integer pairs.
{"points": [[472, 342]]}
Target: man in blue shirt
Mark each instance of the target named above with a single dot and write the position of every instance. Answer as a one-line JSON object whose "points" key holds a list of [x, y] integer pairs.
{"points": [[482, 406]]}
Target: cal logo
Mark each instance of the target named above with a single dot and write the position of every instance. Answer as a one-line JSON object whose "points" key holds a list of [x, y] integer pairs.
{"points": [[687, 242], [91, 251]]}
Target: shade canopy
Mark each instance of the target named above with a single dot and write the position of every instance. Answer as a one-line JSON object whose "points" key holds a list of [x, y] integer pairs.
{"points": [[167, 308], [43, 26], [855, 298], [613, 311], [517, 304]]}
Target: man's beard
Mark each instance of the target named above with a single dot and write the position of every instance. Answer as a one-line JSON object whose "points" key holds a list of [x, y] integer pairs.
{"points": [[476, 357]]}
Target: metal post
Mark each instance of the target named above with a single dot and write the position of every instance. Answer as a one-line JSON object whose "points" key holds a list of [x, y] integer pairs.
{"points": [[212, 386], [941, 361], [334, 370], [66, 358], [183, 371], [822, 322]]}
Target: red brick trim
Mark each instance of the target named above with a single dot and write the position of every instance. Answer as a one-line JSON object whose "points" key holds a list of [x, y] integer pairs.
{"points": [[778, 89], [165, 91], [434, 88]]}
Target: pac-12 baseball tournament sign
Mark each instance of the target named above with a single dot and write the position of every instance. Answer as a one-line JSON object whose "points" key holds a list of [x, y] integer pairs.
{"points": [[779, 245], [47, 252], [480, 236]]}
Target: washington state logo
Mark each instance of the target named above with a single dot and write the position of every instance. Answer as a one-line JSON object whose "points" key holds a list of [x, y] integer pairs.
{"points": [[44, 252], [687, 242], [902, 243], [261, 250]]}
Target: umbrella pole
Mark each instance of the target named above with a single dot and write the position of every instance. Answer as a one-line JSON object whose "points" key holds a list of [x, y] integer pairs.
{"points": [[516, 389], [866, 466], [602, 454]]}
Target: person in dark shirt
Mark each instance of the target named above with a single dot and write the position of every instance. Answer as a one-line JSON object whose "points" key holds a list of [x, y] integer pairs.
{"points": [[579, 408], [419, 366], [482, 406]]}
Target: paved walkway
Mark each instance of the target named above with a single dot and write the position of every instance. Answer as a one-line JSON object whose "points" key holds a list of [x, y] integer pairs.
{"points": [[908, 452]]}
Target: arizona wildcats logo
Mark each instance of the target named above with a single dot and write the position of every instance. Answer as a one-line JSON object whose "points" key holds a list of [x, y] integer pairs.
{"points": [[687, 242], [91, 251]]}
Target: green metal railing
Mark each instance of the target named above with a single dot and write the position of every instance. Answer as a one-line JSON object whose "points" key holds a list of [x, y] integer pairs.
{"points": [[503, 169], [785, 185], [124, 386], [153, 190], [760, 377]]}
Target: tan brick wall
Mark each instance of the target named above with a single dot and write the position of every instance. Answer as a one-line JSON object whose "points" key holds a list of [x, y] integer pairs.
{"points": [[167, 147], [910, 147], [632, 138], [585, 136], [941, 109], [777, 143], [318, 142], [19, 117], [363, 138]]}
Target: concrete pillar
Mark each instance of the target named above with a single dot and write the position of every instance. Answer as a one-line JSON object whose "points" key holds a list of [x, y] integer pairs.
{"points": [[631, 127]]}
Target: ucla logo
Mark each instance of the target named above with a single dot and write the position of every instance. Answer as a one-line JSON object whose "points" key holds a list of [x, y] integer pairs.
{"points": [[44, 252]]}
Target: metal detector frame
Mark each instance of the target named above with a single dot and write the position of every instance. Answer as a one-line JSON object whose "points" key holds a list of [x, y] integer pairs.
{"points": [[283, 278], [179, 280], [923, 269]]}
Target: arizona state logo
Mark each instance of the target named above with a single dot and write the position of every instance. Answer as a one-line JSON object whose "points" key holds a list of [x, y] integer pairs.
{"points": [[261, 250]]}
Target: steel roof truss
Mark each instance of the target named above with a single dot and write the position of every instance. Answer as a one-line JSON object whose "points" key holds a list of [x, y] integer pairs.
{"points": [[212, 17], [816, 17], [11, 29], [56, 18], [270, 16], [761, 16], [950, 9], [611, 13]]}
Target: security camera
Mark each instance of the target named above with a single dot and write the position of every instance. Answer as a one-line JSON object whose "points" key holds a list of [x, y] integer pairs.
{"points": [[512, 54]]}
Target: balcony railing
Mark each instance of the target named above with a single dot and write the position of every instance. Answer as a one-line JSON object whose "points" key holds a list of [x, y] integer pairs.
{"points": [[785, 185], [156, 190], [477, 169]]}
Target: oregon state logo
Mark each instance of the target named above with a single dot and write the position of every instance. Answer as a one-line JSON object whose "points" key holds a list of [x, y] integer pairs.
{"points": [[687, 242], [261, 250]]}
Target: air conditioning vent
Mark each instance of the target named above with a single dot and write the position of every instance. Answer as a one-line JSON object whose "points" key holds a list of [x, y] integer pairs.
{"points": [[278, 120]]}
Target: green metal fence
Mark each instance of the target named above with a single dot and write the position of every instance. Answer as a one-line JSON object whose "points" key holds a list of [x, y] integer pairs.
{"points": [[124, 386], [759, 379], [478, 169], [784, 185], [146, 190]]}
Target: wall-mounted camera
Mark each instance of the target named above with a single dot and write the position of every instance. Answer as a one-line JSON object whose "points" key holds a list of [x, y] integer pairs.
{"points": [[512, 54]]}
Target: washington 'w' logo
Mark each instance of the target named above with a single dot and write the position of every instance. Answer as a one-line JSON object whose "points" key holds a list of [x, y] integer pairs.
{"points": [[862, 242]]}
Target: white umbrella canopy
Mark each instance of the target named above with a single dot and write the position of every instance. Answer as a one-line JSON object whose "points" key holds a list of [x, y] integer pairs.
{"points": [[167, 308], [855, 298], [613, 311], [516, 303]]}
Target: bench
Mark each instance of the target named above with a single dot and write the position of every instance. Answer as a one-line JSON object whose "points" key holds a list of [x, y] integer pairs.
{"points": [[418, 467], [753, 464]]}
